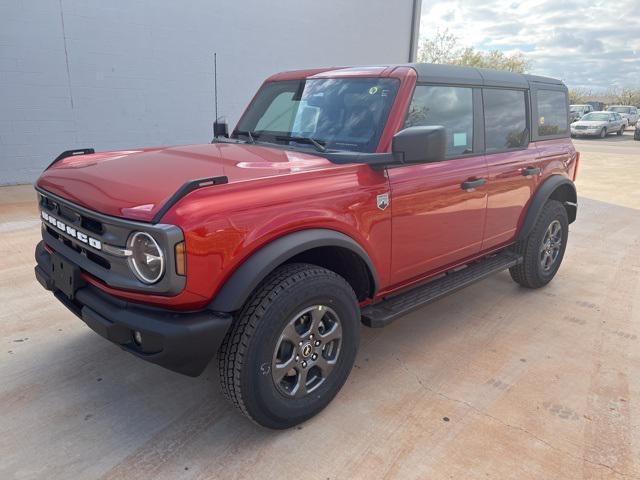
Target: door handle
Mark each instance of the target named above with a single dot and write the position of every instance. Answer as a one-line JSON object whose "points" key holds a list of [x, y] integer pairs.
{"points": [[530, 171], [471, 185]]}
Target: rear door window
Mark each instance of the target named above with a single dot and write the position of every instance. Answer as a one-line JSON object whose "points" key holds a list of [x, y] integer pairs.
{"points": [[552, 113], [505, 119], [450, 107]]}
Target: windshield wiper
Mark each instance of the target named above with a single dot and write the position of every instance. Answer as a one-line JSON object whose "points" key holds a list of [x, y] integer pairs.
{"points": [[247, 133], [291, 138]]}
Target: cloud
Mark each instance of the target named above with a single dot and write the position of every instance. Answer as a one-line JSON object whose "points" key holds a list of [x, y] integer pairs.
{"points": [[589, 44]]}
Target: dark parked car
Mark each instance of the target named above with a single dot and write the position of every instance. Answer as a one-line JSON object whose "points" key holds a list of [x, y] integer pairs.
{"points": [[576, 112]]}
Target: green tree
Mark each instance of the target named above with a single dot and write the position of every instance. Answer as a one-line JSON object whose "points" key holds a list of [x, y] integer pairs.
{"points": [[444, 48]]}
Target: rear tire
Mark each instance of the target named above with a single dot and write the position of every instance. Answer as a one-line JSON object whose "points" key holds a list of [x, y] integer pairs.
{"points": [[543, 249], [279, 381]]}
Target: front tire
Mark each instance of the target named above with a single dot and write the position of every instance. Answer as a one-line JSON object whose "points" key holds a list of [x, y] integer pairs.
{"points": [[291, 347], [543, 250], [621, 131], [603, 132]]}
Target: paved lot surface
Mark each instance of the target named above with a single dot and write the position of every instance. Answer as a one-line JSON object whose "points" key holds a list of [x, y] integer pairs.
{"points": [[493, 382]]}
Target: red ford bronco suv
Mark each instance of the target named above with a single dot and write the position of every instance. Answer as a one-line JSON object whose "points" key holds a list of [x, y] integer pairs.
{"points": [[343, 196]]}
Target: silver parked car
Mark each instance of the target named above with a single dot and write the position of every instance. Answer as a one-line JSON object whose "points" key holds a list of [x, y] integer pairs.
{"points": [[599, 124], [628, 112]]}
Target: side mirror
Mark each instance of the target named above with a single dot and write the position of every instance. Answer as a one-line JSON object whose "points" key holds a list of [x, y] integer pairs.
{"points": [[220, 128], [419, 145]]}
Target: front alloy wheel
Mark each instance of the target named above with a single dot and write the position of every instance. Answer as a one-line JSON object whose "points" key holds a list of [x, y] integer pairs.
{"points": [[292, 345], [307, 351]]}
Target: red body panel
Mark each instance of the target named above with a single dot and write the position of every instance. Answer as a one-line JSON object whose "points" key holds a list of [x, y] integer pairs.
{"points": [[435, 221], [432, 224]]}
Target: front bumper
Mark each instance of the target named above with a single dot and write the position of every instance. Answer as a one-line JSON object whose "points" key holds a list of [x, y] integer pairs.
{"points": [[586, 133], [182, 342]]}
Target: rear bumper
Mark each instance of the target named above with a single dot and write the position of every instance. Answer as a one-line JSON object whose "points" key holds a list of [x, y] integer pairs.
{"points": [[182, 342]]}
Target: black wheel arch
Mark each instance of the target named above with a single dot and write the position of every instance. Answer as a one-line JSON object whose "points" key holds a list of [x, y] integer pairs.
{"points": [[302, 245], [556, 187]]}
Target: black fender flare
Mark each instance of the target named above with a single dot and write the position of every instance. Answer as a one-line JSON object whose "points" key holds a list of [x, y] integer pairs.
{"points": [[544, 192], [254, 269]]}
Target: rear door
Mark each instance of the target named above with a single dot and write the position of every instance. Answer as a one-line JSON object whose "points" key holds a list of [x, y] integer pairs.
{"points": [[438, 209], [513, 162]]}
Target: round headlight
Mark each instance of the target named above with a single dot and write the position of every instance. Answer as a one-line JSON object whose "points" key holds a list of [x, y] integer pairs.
{"points": [[147, 259]]}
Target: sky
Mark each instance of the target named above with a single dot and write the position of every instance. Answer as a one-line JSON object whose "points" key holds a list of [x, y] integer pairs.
{"points": [[588, 44]]}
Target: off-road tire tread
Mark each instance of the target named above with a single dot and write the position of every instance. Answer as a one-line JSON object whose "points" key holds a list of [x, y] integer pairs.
{"points": [[526, 272], [233, 350]]}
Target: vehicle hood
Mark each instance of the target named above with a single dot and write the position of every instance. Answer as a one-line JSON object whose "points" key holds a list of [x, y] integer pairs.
{"points": [[134, 184], [589, 123]]}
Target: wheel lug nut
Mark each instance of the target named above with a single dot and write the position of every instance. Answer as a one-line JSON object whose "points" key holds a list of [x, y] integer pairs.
{"points": [[304, 364], [300, 343], [297, 357], [311, 337], [317, 343], [314, 356]]}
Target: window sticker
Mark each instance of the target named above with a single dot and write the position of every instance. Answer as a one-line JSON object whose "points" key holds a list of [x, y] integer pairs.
{"points": [[373, 90], [459, 139]]}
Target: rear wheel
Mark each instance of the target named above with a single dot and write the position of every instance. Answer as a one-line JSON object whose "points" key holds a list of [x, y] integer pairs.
{"points": [[543, 249], [291, 347]]}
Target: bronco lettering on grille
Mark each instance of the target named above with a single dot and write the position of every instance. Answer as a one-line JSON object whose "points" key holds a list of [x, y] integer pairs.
{"points": [[71, 231]]}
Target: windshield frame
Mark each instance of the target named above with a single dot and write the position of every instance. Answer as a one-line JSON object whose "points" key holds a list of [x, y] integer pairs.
{"points": [[335, 144]]}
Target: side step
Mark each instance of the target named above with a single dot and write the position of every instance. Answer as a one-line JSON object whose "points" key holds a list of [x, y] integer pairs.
{"points": [[383, 313]]}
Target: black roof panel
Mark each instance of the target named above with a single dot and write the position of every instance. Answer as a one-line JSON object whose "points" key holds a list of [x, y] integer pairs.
{"points": [[454, 74]]}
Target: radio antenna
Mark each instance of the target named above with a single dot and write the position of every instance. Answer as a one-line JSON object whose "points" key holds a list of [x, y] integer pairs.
{"points": [[215, 84]]}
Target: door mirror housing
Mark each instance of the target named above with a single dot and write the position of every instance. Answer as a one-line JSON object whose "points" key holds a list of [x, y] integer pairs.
{"points": [[220, 128], [419, 145]]}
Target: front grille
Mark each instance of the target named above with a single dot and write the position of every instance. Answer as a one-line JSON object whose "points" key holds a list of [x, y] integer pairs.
{"points": [[92, 225], [581, 127], [82, 235], [73, 218]]}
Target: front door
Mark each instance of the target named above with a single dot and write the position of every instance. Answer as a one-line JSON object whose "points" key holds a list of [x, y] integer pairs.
{"points": [[438, 209]]}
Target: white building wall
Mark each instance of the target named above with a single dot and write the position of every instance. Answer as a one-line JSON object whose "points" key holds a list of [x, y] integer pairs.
{"points": [[113, 74]]}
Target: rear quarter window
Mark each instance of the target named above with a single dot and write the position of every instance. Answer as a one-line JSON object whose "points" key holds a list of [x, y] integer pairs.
{"points": [[552, 113]]}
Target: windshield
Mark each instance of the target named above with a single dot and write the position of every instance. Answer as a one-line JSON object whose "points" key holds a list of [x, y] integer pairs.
{"points": [[597, 117], [620, 109], [338, 114]]}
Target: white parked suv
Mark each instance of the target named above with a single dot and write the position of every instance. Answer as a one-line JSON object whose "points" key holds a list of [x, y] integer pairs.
{"points": [[628, 112]]}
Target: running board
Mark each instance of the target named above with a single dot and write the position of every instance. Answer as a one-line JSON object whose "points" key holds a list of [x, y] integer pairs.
{"points": [[383, 313]]}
